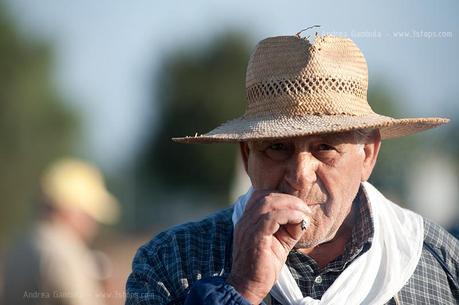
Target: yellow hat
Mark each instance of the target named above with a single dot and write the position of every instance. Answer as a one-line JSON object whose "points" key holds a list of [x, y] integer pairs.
{"points": [[74, 183]]}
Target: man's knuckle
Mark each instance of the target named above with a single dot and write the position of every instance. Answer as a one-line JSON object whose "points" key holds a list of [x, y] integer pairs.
{"points": [[265, 204], [267, 217]]}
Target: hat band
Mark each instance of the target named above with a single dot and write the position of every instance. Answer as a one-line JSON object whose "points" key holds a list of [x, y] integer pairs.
{"points": [[308, 95]]}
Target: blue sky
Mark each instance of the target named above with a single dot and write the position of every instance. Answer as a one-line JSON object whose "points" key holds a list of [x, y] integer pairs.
{"points": [[106, 52]]}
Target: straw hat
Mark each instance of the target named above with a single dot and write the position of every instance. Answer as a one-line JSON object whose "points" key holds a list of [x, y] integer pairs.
{"points": [[72, 183], [295, 88]]}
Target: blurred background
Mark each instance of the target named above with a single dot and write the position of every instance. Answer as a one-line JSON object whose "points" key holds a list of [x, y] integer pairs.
{"points": [[111, 82]]}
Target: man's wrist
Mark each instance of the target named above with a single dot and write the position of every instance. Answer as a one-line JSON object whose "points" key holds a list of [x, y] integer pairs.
{"points": [[215, 290], [244, 290]]}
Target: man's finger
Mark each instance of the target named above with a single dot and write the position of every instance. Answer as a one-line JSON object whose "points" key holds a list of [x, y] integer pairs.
{"points": [[270, 223], [266, 201]]}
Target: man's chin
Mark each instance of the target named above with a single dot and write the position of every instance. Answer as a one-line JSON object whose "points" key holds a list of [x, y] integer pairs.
{"points": [[305, 245], [312, 243], [308, 244]]}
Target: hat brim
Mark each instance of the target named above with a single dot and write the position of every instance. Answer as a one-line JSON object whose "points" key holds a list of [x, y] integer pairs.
{"points": [[245, 129]]}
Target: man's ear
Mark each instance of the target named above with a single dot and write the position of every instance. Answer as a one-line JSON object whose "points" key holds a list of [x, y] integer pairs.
{"points": [[244, 147], [371, 150]]}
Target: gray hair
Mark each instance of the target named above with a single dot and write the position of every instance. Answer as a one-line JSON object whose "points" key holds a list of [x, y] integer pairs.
{"points": [[365, 135]]}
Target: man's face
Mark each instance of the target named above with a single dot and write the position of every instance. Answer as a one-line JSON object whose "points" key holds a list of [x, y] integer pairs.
{"points": [[324, 171]]}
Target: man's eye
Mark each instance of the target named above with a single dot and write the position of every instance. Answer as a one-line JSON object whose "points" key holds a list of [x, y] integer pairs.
{"points": [[277, 146], [278, 151], [324, 146]]}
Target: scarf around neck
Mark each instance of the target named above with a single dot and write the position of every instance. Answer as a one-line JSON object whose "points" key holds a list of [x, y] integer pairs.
{"points": [[375, 276]]}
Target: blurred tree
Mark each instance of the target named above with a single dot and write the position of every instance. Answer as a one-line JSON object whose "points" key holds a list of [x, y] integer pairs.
{"points": [[197, 92], [396, 156], [448, 140], [35, 127]]}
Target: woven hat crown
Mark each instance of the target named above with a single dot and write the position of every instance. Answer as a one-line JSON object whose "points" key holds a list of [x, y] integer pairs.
{"points": [[288, 75]]}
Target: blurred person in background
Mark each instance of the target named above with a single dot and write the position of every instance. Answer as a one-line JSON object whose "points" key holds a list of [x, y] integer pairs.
{"points": [[311, 229], [54, 264]]}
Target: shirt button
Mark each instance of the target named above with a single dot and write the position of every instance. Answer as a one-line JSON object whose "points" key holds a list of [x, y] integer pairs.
{"points": [[318, 280]]}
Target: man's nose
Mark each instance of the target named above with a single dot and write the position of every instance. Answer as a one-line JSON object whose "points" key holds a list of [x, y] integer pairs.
{"points": [[301, 170]]}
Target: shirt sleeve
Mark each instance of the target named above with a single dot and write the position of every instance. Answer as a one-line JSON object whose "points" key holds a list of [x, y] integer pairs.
{"points": [[147, 284], [168, 267], [214, 291]]}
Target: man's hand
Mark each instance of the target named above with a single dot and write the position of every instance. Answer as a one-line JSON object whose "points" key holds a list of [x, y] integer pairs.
{"points": [[267, 231]]}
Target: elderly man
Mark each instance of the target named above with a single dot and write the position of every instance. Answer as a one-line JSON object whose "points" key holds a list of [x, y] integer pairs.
{"points": [[310, 230]]}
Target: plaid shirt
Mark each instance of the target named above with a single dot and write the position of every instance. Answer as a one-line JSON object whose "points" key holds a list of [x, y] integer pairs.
{"points": [[165, 268]]}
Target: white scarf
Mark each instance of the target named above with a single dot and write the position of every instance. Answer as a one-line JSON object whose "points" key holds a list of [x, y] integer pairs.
{"points": [[375, 276]]}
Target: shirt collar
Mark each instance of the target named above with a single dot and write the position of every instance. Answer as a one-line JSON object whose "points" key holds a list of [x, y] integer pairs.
{"points": [[362, 232]]}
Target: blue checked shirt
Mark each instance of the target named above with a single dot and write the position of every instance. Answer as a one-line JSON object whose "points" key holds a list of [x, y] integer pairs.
{"points": [[188, 264]]}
